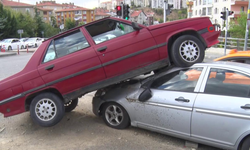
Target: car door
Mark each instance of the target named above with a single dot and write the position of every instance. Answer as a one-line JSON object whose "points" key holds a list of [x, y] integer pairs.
{"points": [[222, 108], [70, 62], [14, 44], [170, 108], [121, 48]]}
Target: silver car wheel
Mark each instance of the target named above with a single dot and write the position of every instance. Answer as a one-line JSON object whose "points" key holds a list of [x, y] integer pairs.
{"points": [[45, 109], [189, 51], [114, 115]]}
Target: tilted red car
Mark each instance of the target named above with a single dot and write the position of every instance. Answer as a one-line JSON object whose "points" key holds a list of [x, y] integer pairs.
{"points": [[96, 55]]}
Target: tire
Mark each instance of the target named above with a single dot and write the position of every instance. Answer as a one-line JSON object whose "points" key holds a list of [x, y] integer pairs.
{"points": [[9, 48], [246, 144], [35, 45], [22, 47], [186, 51], [49, 116], [71, 105], [111, 110]]}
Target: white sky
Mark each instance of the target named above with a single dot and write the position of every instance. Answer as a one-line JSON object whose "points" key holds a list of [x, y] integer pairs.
{"points": [[83, 3]]}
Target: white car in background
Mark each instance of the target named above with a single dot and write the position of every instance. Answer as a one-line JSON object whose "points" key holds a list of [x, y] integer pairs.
{"points": [[34, 42], [10, 44]]}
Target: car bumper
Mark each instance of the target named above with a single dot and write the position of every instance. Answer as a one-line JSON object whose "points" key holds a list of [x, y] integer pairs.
{"points": [[13, 107]]}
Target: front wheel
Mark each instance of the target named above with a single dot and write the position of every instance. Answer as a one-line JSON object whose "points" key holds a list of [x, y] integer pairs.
{"points": [[187, 50], [71, 105], [47, 109], [246, 144], [22, 47], [115, 116]]}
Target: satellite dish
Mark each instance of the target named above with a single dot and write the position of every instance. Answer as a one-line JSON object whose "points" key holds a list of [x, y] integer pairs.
{"points": [[62, 26]]}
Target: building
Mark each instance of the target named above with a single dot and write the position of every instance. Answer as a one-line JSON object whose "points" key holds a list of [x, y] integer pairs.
{"points": [[79, 14], [213, 9], [45, 13], [20, 7], [139, 17], [177, 4], [107, 5], [100, 15]]}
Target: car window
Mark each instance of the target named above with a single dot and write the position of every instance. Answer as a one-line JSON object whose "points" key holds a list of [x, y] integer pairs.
{"points": [[65, 45], [227, 82], [183, 80], [107, 30]]}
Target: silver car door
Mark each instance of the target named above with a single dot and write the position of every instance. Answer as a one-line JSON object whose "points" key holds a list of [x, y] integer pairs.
{"points": [[170, 108], [221, 114]]}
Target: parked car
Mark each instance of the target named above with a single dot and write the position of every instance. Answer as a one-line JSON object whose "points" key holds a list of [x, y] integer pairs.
{"points": [[34, 42], [236, 56], [71, 64], [205, 110], [23, 39], [10, 44]]}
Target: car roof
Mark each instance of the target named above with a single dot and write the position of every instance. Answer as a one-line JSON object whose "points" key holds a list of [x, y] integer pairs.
{"points": [[226, 64], [235, 54]]}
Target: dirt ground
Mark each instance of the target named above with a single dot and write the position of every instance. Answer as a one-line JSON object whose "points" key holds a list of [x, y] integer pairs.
{"points": [[81, 130]]}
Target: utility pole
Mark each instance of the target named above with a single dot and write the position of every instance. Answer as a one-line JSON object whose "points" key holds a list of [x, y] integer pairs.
{"points": [[246, 34], [225, 46], [164, 10]]}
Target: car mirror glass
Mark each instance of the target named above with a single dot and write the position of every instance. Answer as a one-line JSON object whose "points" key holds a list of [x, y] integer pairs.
{"points": [[145, 95]]}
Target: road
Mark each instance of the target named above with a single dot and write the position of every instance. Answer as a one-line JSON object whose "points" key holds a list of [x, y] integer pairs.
{"points": [[79, 130]]}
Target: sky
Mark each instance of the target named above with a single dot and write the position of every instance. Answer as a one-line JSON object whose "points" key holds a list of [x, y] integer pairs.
{"points": [[83, 3]]}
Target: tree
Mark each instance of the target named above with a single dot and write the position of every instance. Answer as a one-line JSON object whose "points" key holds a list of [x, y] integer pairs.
{"points": [[2, 22], [53, 21], [50, 30], [238, 27], [69, 23], [39, 24]]}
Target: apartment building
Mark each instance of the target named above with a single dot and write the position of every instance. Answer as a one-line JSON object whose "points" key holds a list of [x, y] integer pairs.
{"points": [[79, 14], [45, 13], [20, 7], [213, 9], [177, 4]]}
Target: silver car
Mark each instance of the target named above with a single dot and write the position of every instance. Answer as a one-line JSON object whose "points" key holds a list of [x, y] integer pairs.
{"points": [[207, 103]]}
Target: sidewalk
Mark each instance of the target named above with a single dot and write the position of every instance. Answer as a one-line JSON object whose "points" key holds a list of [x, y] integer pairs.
{"points": [[15, 52]]}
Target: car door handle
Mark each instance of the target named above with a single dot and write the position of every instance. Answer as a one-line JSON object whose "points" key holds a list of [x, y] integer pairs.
{"points": [[182, 99], [102, 49], [49, 67], [247, 106]]}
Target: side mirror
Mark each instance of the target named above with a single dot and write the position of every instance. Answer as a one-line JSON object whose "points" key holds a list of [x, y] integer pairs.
{"points": [[135, 26], [145, 95]]}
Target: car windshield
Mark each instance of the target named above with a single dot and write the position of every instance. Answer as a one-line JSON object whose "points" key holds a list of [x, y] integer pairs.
{"points": [[23, 40], [7, 41]]}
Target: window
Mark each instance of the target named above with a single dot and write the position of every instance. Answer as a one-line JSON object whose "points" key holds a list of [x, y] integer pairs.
{"points": [[108, 29], [65, 45], [204, 2], [182, 80], [242, 8], [227, 82], [215, 11], [195, 12], [209, 2], [203, 11], [27, 10], [209, 10], [215, 1], [84, 12]]}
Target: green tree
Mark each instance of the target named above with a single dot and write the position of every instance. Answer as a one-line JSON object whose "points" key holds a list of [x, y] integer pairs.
{"points": [[50, 30], [39, 24], [53, 21], [238, 27], [2, 22], [26, 23], [69, 23]]}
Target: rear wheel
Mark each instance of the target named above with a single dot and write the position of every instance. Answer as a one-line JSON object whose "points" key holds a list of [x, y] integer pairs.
{"points": [[115, 116], [187, 50], [9, 48], [47, 109], [22, 47], [71, 105], [246, 144]]}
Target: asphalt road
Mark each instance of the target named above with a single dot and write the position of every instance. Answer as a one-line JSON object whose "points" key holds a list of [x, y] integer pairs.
{"points": [[79, 129]]}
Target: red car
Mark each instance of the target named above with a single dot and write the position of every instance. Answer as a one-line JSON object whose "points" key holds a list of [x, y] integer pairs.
{"points": [[96, 55]]}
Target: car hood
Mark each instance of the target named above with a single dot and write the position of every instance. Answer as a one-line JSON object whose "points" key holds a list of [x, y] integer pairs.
{"points": [[235, 55], [154, 27]]}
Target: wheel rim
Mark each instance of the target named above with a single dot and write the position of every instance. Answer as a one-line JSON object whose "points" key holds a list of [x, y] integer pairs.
{"points": [[45, 109], [189, 51], [114, 115]]}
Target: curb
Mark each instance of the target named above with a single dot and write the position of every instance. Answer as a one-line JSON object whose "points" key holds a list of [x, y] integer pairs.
{"points": [[3, 54]]}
